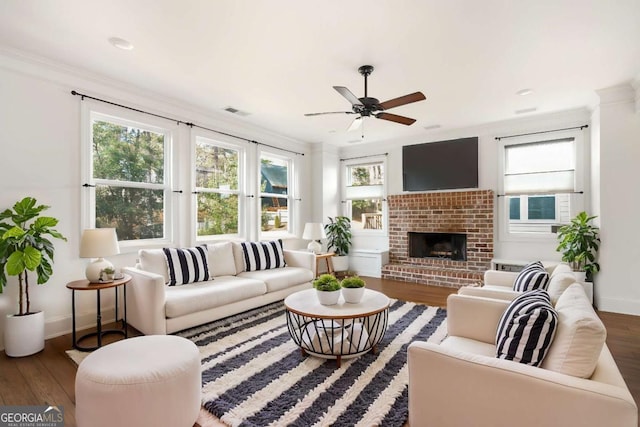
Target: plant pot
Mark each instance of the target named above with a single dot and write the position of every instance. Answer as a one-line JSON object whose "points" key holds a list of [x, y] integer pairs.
{"points": [[352, 295], [340, 263], [328, 297], [24, 335], [581, 276]]}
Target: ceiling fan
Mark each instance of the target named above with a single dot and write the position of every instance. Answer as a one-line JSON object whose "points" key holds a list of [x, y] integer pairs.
{"points": [[371, 107]]}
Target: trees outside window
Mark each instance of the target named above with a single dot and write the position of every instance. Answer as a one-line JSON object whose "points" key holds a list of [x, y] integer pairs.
{"points": [[217, 187], [128, 170]]}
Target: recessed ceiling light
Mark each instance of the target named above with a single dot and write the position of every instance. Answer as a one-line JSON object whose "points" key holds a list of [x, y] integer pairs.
{"points": [[526, 110], [524, 92], [120, 43]]}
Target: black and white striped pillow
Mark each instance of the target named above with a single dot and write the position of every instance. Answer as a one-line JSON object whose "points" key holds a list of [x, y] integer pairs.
{"points": [[187, 265], [532, 276], [263, 255], [526, 329]]}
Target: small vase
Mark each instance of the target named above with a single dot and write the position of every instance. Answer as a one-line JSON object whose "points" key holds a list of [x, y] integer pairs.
{"points": [[353, 295], [328, 298]]}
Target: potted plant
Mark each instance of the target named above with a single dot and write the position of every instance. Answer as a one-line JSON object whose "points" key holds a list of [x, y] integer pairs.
{"points": [[24, 247], [339, 235], [352, 289], [579, 242], [107, 274], [327, 289]]}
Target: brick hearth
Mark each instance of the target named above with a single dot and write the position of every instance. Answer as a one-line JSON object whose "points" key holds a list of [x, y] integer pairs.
{"points": [[469, 212]]}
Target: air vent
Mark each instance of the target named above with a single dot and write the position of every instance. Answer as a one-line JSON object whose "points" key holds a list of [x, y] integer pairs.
{"points": [[432, 127], [236, 111]]}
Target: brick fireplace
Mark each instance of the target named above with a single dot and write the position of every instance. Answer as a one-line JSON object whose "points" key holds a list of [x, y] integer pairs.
{"points": [[441, 226]]}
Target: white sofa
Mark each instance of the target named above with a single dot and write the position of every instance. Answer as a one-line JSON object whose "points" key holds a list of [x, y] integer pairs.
{"points": [[499, 284], [460, 382], [155, 308]]}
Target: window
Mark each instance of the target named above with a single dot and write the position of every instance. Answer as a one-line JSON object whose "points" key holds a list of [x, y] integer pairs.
{"points": [[217, 187], [540, 181], [364, 193], [129, 168], [275, 194]]}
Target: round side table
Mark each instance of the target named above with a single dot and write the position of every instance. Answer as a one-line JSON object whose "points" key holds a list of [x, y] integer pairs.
{"points": [[85, 285]]}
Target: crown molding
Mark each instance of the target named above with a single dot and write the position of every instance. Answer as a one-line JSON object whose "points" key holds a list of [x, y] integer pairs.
{"points": [[617, 94]]}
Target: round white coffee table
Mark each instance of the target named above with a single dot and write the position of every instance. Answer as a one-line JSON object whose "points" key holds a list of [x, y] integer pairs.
{"points": [[337, 331]]}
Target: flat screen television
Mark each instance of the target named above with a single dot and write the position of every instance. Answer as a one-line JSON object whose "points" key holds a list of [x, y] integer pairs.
{"points": [[440, 165]]}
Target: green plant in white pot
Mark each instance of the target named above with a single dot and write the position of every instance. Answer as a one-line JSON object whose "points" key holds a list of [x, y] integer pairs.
{"points": [[579, 242], [338, 232], [327, 289], [24, 247], [352, 289]]}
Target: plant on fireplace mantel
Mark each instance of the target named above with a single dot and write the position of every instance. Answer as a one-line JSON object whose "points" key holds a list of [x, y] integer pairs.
{"points": [[579, 242], [24, 247]]}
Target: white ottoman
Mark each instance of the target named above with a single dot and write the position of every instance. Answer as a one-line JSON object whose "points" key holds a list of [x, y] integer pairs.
{"points": [[144, 381]]}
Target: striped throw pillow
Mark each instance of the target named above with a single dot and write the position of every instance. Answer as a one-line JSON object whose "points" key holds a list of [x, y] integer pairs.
{"points": [[526, 328], [263, 255], [532, 276], [187, 265]]}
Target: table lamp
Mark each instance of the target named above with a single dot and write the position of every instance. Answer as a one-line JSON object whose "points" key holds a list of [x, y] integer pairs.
{"points": [[98, 243], [314, 231]]}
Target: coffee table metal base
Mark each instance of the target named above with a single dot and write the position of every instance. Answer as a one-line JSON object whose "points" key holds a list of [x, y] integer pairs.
{"points": [[338, 333]]}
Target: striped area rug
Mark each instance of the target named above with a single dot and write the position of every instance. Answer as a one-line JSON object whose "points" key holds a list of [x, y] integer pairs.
{"points": [[254, 375]]}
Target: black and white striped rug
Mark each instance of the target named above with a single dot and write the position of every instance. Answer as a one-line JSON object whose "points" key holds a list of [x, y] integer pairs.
{"points": [[254, 375]]}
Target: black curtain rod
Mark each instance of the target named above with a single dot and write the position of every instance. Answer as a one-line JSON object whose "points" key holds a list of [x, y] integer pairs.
{"points": [[364, 157], [178, 121], [498, 138]]}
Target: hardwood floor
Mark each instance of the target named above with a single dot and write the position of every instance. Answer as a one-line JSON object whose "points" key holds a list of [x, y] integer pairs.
{"points": [[49, 376]]}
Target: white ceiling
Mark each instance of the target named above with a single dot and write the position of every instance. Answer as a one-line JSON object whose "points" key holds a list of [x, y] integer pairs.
{"points": [[279, 59]]}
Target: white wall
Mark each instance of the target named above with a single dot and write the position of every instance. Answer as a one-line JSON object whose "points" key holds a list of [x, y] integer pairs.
{"points": [[616, 286], [40, 143]]}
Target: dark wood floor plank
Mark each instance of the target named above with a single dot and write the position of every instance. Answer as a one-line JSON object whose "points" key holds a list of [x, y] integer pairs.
{"points": [[14, 388]]}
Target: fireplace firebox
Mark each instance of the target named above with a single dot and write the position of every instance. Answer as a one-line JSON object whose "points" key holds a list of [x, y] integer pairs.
{"points": [[451, 246]]}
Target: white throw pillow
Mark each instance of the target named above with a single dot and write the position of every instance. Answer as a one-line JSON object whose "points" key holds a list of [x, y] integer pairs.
{"points": [[154, 261], [221, 260], [580, 336], [558, 284]]}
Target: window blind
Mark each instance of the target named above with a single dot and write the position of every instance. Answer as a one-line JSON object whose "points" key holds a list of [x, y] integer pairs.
{"points": [[546, 167]]}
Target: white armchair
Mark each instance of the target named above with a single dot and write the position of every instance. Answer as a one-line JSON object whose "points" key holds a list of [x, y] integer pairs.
{"points": [[460, 382], [499, 284]]}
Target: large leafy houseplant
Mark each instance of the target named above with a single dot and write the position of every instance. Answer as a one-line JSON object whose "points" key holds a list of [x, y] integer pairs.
{"points": [[579, 242], [339, 234], [25, 246]]}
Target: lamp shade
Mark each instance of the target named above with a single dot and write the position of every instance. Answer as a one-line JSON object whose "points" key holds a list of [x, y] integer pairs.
{"points": [[313, 231], [99, 243]]}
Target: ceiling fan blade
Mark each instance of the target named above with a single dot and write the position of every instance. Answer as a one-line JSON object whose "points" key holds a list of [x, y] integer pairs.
{"points": [[329, 112], [348, 94], [395, 118], [355, 124], [403, 100]]}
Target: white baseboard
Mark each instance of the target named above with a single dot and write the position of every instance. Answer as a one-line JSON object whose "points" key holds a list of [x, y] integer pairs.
{"points": [[619, 305]]}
